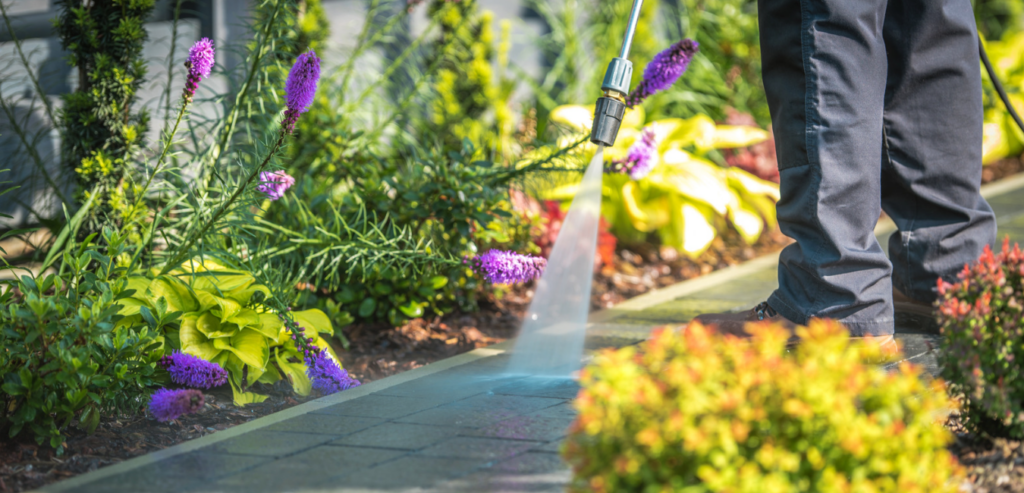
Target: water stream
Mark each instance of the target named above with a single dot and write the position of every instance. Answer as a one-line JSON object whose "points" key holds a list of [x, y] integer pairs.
{"points": [[550, 342]]}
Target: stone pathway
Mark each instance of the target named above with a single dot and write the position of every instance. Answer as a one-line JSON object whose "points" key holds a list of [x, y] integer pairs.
{"points": [[457, 425]]}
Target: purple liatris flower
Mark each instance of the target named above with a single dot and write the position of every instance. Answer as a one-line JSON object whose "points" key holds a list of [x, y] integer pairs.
{"points": [[300, 88], [275, 184], [327, 376], [193, 371], [168, 405], [663, 71], [503, 267], [199, 63], [641, 158]]}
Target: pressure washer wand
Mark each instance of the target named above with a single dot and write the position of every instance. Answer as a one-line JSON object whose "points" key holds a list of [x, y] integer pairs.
{"points": [[612, 106]]}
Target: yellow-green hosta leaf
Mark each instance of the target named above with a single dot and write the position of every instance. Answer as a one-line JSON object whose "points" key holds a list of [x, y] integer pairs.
{"points": [[178, 295], [295, 372], [764, 206], [244, 295], [130, 306], [750, 184], [699, 231], [226, 308], [140, 285], [249, 346], [698, 131], [314, 319], [645, 215], [207, 301], [690, 229], [193, 342], [211, 327], [747, 221], [729, 136], [694, 179], [246, 317], [272, 375], [242, 398], [997, 141], [270, 325]]}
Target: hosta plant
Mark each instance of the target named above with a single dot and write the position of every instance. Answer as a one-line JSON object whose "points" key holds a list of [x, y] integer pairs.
{"points": [[223, 321], [695, 411], [1002, 137], [982, 353], [683, 197]]}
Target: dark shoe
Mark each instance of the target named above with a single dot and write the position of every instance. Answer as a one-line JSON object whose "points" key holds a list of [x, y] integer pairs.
{"points": [[735, 323]]}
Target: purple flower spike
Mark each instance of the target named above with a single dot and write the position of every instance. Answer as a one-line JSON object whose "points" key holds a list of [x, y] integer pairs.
{"points": [[193, 371], [275, 184], [326, 375], [663, 71], [642, 156], [199, 63], [300, 88], [503, 267], [168, 405]]}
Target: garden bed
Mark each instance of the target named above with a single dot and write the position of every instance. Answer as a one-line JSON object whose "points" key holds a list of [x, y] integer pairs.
{"points": [[377, 352]]}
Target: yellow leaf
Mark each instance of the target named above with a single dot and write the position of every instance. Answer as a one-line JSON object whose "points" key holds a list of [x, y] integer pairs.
{"points": [[747, 221], [211, 327], [727, 136], [295, 372], [314, 319], [179, 297], [699, 231], [249, 346], [243, 398], [193, 341], [695, 179]]}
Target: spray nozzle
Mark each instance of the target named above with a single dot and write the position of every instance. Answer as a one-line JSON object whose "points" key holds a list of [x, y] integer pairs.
{"points": [[612, 106]]}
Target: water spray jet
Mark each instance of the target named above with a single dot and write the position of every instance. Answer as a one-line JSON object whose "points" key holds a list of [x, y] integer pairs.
{"points": [[550, 342]]}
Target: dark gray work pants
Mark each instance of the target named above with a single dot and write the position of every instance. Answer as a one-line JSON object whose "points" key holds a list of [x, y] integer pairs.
{"points": [[876, 105]]}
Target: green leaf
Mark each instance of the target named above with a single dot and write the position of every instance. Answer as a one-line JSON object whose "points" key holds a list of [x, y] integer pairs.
{"points": [[213, 328], [295, 372], [367, 307], [314, 319], [194, 342], [242, 398], [249, 346], [412, 309], [179, 297], [438, 282]]}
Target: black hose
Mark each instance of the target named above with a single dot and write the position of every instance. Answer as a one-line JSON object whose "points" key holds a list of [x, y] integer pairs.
{"points": [[998, 85]]}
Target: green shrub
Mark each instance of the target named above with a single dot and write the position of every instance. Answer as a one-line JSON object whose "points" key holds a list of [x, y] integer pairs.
{"points": [[981, 353], [65, 351], [698, 412]]}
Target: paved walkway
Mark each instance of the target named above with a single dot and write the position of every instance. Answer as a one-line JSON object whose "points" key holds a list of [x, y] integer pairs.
{"points": [[457, 425]]}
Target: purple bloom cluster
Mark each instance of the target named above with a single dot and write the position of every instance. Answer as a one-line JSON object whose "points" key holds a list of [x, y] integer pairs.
{"points": [[663, 71], [199, 63], [168, 405], [326, 375], [504, 267], [300, 88], [193, 371], [641, 158], [275, 184]]}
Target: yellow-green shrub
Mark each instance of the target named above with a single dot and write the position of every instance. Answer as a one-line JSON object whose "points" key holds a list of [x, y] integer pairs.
{"points": [[698, 412]]}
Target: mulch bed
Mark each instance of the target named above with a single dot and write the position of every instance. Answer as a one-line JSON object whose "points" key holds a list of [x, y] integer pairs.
{"points": [[377, 352]]}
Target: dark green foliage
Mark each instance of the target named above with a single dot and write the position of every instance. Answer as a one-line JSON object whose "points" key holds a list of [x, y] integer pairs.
{"points": [[997, 17], [65, 356], [104, 38]]}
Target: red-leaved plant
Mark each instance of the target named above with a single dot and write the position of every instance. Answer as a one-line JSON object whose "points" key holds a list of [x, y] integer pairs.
{"points": [[983, 343]]}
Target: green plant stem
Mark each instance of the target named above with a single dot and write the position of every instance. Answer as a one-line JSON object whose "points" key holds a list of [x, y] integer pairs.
{"points": [[163, 154], [183, 251], [214, 152]]}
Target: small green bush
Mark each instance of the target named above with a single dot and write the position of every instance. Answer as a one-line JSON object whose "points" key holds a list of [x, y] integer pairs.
{"points": [[981, 353], [695, 411], [64, 353]]}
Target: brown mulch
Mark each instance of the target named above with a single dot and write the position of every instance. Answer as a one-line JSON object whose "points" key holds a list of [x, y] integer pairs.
{"points": [[994, 465], [377, 352]]}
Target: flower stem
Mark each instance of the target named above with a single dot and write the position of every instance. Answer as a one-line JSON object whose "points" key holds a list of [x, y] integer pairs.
{"points": [[183, 251]]}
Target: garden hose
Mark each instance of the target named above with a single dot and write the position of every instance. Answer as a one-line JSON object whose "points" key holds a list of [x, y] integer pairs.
{"points": [[997, 83]]}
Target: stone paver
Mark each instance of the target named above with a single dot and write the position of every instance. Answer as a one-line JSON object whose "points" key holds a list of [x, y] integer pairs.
{"points": [[460, 425]]}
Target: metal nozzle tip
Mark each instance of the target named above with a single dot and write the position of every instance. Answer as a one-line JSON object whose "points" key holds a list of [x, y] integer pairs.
{"points": [[607, 118]]}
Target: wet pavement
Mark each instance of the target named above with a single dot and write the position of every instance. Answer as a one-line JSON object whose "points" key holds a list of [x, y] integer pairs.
{"points": [[462, 424]]}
